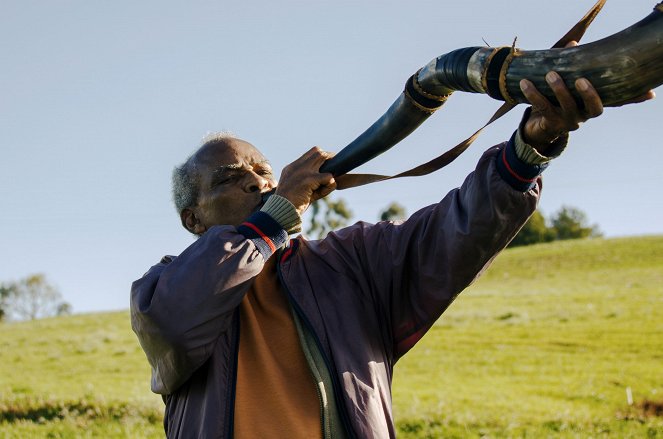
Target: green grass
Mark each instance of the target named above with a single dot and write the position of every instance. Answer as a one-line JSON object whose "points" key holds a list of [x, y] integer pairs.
{"points": [[78, 376], [545, 344]]}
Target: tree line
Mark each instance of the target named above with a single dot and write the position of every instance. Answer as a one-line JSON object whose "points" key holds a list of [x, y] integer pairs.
{"points": [[567, 223]]}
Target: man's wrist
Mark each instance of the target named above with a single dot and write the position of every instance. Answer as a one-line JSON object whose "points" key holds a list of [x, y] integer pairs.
{"points": [[537, 154], [528, 154], [283, 212]]}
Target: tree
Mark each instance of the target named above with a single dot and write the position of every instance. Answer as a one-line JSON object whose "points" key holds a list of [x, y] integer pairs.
{"points": [[5, 292], [571, 223], [328, 215], [567, 223], [534, 231], [393, 212], [31, 298], [63, 309]]}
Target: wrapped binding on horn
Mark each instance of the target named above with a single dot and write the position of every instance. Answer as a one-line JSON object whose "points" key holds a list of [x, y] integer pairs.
{"points": [[621, 67]]}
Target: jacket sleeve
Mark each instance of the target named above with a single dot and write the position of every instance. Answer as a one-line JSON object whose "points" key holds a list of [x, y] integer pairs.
{"points": [[413, 270], [181, 306]]}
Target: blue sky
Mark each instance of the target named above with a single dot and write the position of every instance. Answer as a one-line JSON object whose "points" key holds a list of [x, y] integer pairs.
{"points": [[99, 100]]}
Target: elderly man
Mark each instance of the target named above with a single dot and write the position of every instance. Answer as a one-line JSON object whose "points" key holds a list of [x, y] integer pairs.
{"points": [[253, 338]]}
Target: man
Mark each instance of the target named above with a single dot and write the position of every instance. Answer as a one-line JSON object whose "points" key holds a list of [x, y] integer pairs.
{"points": [[251, 340]]}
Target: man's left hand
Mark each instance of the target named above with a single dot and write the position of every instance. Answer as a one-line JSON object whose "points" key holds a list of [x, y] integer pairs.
{"points": [[547, 122]]}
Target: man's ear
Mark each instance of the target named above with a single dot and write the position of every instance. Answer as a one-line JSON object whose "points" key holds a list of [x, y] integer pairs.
{"points": [[191, 222]]}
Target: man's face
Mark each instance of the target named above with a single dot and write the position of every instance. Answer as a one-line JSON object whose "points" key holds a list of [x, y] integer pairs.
{"points": [[232, 176]]}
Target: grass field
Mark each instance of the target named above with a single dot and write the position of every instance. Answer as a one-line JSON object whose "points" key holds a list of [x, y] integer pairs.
{"points": [[545, 344]]}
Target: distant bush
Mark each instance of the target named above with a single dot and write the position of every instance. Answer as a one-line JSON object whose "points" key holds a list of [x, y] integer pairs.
{"points": [[393, 212], [571, 223], [31, 298], [328, 215], [567, 223]]}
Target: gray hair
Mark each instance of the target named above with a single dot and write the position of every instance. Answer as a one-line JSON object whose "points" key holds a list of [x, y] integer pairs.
{"points": [[186, 184]]}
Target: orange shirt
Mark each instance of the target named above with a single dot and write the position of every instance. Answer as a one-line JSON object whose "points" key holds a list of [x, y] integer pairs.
{"points": [[275, 395]]}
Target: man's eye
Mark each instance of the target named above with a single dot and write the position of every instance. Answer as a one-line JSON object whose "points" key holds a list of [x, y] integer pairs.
{"points": [[225, 180]]}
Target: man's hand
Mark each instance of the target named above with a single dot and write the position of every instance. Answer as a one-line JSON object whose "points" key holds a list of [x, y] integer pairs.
{"points": [[301, 181], [547, 122]]}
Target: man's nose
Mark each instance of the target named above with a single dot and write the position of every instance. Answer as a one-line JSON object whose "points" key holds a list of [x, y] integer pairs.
{"points": [[254, 182]]}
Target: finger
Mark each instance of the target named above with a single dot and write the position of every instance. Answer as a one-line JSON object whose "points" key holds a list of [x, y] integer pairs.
{"points": [[317, 156], [325, 155], [534, 97], [324, 190], [563, 96], [311, 152], [651, 94], [590, 98], [306, 157], [315, 181], [571, 43], [320, 160], [642, 98]]}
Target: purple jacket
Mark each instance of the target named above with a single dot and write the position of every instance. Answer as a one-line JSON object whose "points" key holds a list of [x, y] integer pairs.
{"points": [[367, 292]]}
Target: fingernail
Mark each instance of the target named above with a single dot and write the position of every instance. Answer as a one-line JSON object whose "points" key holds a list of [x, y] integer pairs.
{"points": [[524, 86], [583, 84], [551, 77]]}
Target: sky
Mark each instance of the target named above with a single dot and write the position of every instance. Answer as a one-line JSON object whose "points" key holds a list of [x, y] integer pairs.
{"points": [[100, 100]]}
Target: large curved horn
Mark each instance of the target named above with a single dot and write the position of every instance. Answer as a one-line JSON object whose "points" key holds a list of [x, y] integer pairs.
{"points": [[621, 67]]}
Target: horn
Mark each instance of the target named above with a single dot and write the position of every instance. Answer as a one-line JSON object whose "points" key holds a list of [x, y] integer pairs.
{"points": [[621, 67]]}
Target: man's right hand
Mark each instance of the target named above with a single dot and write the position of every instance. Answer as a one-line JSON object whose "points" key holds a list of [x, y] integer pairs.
{"points": [[301, 182]]}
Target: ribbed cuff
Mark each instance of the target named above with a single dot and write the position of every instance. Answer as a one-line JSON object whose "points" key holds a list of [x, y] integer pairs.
{"points": [[284, 213], [520, 175], [528, 154], [265, 232]]}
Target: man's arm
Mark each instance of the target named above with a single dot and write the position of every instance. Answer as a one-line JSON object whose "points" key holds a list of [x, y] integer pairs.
{"points": [[181, 306], [413, 271]]}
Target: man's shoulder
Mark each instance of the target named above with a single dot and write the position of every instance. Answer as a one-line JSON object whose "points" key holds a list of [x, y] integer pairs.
{"points": [[155, 270]]}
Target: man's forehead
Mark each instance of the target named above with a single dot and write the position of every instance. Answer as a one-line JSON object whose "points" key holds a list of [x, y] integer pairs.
{"points": [[229, 153]]}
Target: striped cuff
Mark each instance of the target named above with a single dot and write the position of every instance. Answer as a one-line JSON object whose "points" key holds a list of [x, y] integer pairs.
{"points": [[284, 213], [520, 175], [265, 232], [528, 154]]}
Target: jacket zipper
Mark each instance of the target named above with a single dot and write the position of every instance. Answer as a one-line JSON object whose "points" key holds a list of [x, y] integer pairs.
{"points": [[332, 370], [321, 403]]}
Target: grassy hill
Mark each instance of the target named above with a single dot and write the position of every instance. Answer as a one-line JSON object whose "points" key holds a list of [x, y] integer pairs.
{"points": [[545, 344]]}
